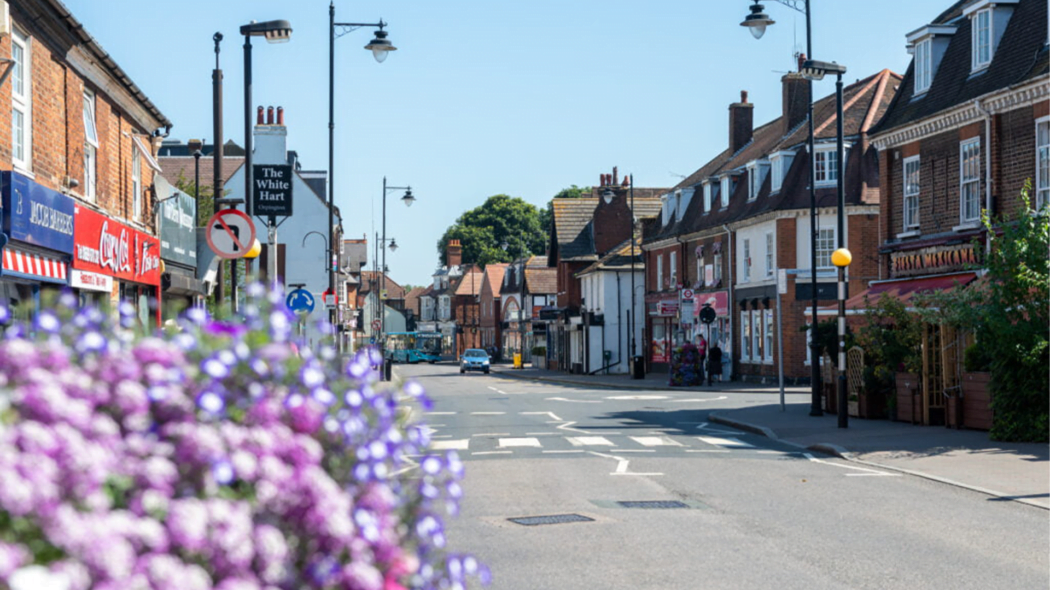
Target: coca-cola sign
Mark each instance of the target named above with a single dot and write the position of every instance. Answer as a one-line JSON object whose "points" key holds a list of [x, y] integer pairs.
{"points": [[106, 246]]}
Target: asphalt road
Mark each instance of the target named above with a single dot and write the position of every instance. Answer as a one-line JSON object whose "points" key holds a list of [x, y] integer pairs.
{"points": [[737, 510]]}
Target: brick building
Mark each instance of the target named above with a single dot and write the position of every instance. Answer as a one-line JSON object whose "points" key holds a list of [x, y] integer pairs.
{"points": [[969, 127], [77, 149], [490, 301], [727, 231]]}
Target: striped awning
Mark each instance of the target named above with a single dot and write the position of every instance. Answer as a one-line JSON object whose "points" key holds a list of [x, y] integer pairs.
{"points": [[34, 266]]}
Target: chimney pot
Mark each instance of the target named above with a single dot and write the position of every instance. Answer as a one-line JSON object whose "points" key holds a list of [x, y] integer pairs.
{"points": [[259, 116], [269, 115], [280, 116], [743, 96], [801, 60], [616, 177]]}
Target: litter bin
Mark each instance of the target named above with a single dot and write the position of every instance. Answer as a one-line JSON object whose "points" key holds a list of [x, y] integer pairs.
{"points": [[637, 367], [517, 360]]}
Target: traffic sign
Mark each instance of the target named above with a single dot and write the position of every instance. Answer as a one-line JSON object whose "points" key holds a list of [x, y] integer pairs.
{"points": [[687, 294], [376, 325], [782, 281], [230, 234], [330, 299], [707, 314], [300, 300]]}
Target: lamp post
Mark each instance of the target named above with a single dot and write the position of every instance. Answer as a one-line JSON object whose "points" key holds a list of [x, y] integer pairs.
{"points": [[380, 47], [608, 195], [216, 116], [521, 301], [408, 199], [757, 22], [841, 257], [274, 31]]}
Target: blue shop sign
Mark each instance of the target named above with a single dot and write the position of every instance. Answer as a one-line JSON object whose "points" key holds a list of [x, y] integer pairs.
{"points": [[37, 215]]}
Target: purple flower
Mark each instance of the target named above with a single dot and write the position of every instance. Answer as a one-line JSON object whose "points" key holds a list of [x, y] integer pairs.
{"points": [[211, 402], [223, 472]]}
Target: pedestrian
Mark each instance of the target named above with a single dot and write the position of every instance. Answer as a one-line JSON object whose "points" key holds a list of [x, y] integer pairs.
{"points": [[714, 364], [701, 350]]}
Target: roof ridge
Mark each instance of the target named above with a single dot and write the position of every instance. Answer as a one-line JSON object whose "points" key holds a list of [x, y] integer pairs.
{"points": [[869, 82], [884, 78]]}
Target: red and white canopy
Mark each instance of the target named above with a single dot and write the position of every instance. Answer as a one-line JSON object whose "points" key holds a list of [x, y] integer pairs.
{"points": [[35, 266]]}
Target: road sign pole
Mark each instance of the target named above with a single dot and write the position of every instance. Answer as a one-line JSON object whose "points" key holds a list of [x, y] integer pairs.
{"points": [[781, 290], [272, 245]]}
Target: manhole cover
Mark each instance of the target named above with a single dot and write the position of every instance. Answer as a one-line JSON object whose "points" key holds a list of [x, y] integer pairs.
{"points": [[552, 519], [659, 504]]}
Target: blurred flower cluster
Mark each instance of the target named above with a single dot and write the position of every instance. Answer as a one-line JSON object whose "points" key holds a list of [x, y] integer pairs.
{"points": [[216, 454]]}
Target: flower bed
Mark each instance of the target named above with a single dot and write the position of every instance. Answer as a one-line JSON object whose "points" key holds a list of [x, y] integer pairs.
{"points": [[217, 455]]}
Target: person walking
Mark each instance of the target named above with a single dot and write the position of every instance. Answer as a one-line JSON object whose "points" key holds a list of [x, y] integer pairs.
{"points": [[714, 364], [701, 349]]}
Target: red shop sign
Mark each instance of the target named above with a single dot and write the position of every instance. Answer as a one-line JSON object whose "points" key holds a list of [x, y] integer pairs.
{"points": [[106, 246]]}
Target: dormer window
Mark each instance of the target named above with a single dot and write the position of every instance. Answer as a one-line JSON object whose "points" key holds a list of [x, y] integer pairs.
{"points": [[727, 187], [923, 66], [982, 39], [756, 175], [707, 196], [826, 164], [779, 163]]}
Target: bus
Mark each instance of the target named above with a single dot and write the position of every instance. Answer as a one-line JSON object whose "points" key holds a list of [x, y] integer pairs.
{"points": [[413, 347]]}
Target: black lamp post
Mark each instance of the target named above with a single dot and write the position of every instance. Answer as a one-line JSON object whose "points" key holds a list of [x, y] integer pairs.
{"points": [[216, 116], [757, 22], [380, 47], [274, 31], [841, 258], [408, 199], [521, 301], [608, 195]]}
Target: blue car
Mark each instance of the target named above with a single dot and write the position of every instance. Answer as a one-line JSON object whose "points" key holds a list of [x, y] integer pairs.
{"points": [[474, 359]]}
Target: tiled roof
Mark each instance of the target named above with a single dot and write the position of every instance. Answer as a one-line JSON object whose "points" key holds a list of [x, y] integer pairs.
{"points": [[572, 221], [541, 280], [618, 258], [1021, 56], [393, 290], [494, 277], [412, 298], [171, 167], [470, 283], [864, 102]]}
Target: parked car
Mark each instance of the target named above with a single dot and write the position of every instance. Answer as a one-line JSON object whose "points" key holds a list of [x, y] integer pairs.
{"points": [[474, 359]]}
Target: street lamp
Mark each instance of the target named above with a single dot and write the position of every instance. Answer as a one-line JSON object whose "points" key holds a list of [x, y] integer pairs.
{"points": [[757, 22], [816, 70], [274, 31], [608, 194], [408, 199], [521, 301], [380, 47]]}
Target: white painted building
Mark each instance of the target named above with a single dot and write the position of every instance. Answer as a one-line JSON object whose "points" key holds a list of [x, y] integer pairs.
{"points": [[608, 312]]}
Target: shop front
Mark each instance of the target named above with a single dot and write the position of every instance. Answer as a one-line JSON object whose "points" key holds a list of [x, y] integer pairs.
{"points": [[664, 332], [178, 249], [38, 231], [104, 247], [719, 331]]}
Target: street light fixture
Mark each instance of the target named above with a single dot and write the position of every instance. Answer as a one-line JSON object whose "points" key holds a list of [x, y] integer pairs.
{"points": [[408, 199], [759, 22], [380, 47], [393, 245], [608, 195]]}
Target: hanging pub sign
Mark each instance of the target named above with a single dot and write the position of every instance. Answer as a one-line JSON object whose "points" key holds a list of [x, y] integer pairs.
{"points": [[37, 215], [106, 246], [271, 190]]}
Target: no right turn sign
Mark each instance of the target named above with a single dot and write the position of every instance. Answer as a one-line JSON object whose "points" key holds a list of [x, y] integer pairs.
{"points": [[230, 234]]}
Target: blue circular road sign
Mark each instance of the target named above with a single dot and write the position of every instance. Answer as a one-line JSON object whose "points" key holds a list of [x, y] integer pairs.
{"points": [[300, 300]]}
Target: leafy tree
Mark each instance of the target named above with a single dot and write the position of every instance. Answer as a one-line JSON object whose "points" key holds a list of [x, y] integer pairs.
{"points": [[547, 214], [1009, 312], [482, 230]]}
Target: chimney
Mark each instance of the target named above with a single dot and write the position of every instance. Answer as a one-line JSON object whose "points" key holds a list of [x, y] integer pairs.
{"points": [[270, 141], [454, 253], [259, 120], [280, 116], [269, 115], [796, 97], [741, 122], [616, 177]]}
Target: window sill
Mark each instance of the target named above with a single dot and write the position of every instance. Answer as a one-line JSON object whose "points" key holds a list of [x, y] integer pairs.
{"points": [[967, 225], [912, 233], [19, 168]]}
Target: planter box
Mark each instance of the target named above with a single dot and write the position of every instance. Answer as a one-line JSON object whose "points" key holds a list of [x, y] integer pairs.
{"points": [[853, 409], [976, 401], [873, 406], [909, 404]]}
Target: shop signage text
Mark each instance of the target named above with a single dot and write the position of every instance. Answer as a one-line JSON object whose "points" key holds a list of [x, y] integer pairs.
{"points": [[271, 190], [37, 215], [110, 247]]}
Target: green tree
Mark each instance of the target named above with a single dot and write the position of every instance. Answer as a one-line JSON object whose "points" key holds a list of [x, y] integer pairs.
{"points": [[547, 214], [482, 230], [1009, 312]]}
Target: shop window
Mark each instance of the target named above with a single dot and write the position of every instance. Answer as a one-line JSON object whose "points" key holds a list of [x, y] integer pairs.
{"points": [[745, 336], [21, 101], [768, 313], [970, 179]]}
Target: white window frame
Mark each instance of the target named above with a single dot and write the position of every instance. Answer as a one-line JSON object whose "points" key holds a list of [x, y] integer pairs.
{"points": [[727, 187], [923, 65], [912, 177], [756, 336], [970, 180], [745, 335], [136, 183], [659, 272], [825, 246], [753, 176], [776, 168], [770, 254], [707, 196], [718, 267], [22, 102], [767, 315], [823, 173], [746, 251], [982, 52], [1042, 163], [91, 145], [672, 270]]}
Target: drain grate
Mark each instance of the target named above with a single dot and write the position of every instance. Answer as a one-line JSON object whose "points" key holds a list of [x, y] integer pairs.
{"points": [[655, 504], [552, 519]]}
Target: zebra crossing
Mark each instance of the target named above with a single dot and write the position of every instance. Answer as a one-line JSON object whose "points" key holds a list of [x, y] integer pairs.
{"points": [[506, 444]]}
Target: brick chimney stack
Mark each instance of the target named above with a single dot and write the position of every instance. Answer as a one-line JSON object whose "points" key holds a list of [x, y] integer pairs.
{"points": [[796, 97], [454, 253], [741, 122]]}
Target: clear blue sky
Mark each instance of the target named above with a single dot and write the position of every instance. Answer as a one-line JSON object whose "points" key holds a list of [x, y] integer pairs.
{"points": [[486, 97]]}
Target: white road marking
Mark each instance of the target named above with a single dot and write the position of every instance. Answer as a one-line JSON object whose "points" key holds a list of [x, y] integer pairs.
{"points": [[725, 442], [621, 465], [442, 413], [457, 445], [568, 426], [844, 466], [705, 451], [638, 397], [540, 433], [575, 401], [551, 414], [552, 452], [440, 436], [519, 442], [635, 450], [493, 453], [491, 434], [655, 441], [710, 399], [487, 413], [583, 441]]}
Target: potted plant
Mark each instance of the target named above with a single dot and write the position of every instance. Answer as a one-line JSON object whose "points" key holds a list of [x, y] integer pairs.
{"points": [[891, 342]]}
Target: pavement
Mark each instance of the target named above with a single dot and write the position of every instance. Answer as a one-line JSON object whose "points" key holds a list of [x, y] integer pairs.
{"points": [[1016, 472]]}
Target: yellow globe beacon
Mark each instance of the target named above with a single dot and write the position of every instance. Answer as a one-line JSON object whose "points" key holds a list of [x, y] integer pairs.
{"points": [[255, 251], [841, 257]]}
